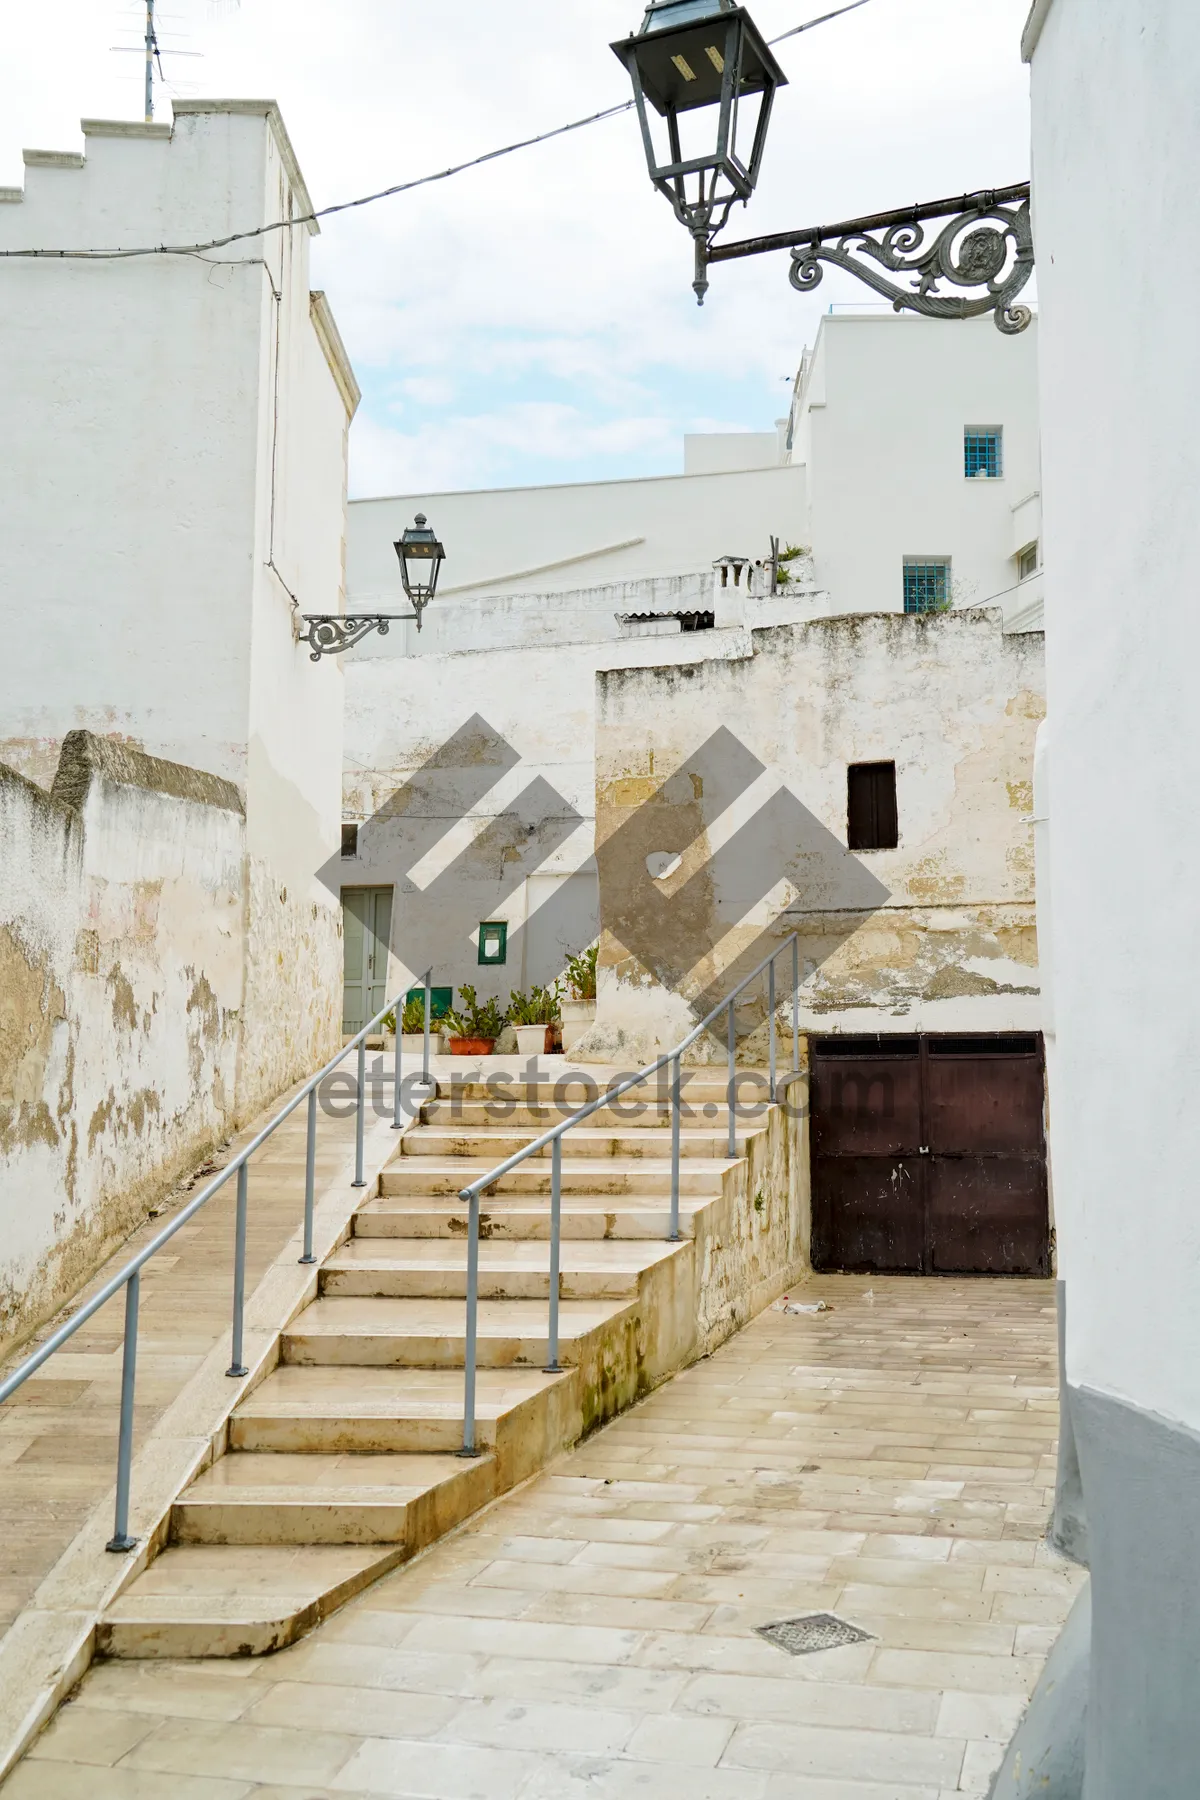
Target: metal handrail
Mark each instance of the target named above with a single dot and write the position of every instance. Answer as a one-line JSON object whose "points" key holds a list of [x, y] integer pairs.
{"points": [[673, 1059], [129, 1277]]}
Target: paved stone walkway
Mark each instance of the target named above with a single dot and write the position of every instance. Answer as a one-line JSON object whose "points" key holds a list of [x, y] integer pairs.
{"points": [[594, 1634]]}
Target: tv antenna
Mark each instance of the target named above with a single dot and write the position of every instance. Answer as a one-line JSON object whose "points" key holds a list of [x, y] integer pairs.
{"points": [[151, 50]]}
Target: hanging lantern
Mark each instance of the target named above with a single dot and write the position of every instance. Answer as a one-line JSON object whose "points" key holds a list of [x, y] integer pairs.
{"points": [[702, 57], [421, 559]]}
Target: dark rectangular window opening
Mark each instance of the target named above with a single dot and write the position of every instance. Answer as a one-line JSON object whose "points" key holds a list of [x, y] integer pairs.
{"points": [[349, 840], [872, 821]]}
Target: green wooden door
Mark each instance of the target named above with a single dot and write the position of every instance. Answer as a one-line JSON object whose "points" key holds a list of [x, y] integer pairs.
{"points": [[367, 933]]}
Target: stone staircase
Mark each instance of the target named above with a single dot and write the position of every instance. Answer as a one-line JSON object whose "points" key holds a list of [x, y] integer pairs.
{"points": [[342, 1461]]}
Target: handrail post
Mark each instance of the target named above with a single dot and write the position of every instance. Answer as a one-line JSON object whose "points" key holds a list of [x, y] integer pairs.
{"points": [[428, 1019], [120, 1541], [552, 1364], [771, 1011], [795, 1006], [397, 1117], [731, 1092], [472, 1340], [310, 1178], [360, 1118], [237, 1367], [675, 1121]]}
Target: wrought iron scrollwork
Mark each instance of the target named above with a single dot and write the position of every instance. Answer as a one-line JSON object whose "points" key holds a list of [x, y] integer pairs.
{"points": [[329, 634], [987, 245]]}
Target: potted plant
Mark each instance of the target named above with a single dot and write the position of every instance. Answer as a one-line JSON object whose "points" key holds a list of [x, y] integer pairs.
{"points": [[579, 1008], [533, 1016], [412, 1029], [474, 1028]]}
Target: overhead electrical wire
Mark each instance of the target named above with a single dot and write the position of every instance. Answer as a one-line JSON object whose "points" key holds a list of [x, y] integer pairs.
{"points": [[400, 187]]}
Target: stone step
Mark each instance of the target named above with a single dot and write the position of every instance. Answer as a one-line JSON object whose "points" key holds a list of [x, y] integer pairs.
{"points": [[523, 1416], [237, 1600], [437, 1268], [248, 1498], [498, 1143], [592, 1175], [431, 1334], [585, 1218], [573, 1091], [628, 1115]]}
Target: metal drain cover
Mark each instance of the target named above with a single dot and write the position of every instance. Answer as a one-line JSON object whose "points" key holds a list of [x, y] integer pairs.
{"points": [[816, 1631]]}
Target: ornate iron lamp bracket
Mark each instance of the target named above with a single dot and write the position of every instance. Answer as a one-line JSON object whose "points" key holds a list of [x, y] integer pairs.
{"points": [[985, 244], [329, 634]]}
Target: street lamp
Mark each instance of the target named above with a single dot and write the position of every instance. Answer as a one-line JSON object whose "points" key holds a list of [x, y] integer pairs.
{"points": [[421, 558], [689, 56], [703, 54]]}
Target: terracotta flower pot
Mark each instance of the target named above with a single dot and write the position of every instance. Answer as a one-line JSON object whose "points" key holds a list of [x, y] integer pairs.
{"points": [[472, 1046]]}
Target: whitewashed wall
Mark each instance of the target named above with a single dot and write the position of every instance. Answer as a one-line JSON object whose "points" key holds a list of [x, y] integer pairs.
{"points": [[1122, 467], [878, 419], [179, 498], [123, 1006]]}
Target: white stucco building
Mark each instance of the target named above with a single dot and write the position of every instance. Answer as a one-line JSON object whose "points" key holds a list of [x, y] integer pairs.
{"points": [[920, 441], [178, 498], [175, 431]]}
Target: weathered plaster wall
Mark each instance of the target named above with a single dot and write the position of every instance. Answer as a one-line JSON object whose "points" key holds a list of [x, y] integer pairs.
{"points": [[738, 769], [122, 1000], [472, 775]]}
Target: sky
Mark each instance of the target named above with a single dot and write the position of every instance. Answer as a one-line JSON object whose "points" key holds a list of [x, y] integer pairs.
{"points": [[533, 320]]}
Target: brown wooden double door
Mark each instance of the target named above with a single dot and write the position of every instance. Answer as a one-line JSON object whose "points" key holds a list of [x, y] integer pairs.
{"points": [[929, 1156]]}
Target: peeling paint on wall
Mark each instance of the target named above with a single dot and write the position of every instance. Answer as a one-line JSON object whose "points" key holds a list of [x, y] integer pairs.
{"points": [[123, 951]]}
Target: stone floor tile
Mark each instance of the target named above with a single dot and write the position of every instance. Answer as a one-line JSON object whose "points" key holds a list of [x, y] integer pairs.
{"points": [[545, 1726], [242, 1752], [823, 1702], [683, 1741], [979, 1769], [422, 1771], [527, 1638], [173, 1690], [80, 1781], [804, 1787], [980, 1716], [621, 1611], [864, 1755], [628, 1689], [589, 1778], [86, 1735], [358, 1712], [944, 1670]]}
